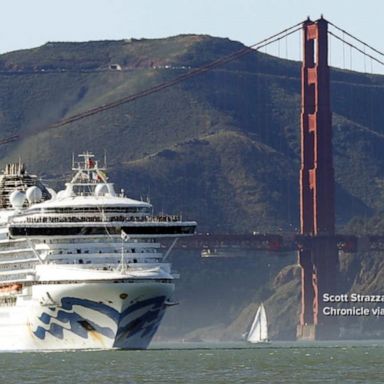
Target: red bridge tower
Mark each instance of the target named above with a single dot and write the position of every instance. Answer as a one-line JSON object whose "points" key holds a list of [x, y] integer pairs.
{"points": [[319, 260]]}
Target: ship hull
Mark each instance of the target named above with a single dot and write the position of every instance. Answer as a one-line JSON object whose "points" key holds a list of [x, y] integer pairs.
{"points": [[89, 315]]}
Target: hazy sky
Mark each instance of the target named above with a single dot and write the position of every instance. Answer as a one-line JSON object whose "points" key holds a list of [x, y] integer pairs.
{"points": [[30, 23]]}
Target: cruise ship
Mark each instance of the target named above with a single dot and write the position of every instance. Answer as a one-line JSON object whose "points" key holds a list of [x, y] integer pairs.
{"points": [[82, 268]]}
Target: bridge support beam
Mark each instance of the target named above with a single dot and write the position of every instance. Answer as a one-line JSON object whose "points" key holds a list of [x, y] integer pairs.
{"points": [[319, 260]]}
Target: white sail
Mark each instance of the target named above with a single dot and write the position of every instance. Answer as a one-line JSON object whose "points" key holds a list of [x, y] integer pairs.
{"points": [[259, 329]]}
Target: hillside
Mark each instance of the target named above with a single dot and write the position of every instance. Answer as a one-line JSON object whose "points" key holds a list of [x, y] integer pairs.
{"points": [[221, 148]]}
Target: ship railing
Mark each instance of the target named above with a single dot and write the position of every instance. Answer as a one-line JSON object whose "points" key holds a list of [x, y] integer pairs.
{"points": [[91, 259], [98, 219], [13, 251], [166, 218], [8, 301], [15, 275], [22, 278], [133, 265], [17, 261], [10, 268]]}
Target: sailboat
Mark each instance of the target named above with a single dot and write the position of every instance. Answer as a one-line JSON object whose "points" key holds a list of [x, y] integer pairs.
{"points": [[258, 332]]}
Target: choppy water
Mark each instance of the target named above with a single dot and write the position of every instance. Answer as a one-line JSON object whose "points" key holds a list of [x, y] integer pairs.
{"points": [[184, 363]]}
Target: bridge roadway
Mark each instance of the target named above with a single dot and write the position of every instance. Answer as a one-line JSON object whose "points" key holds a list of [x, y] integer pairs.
{"points": [[276, 243]]}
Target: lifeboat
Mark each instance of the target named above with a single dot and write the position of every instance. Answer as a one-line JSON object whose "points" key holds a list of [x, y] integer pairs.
{"points": [[10, 288]]}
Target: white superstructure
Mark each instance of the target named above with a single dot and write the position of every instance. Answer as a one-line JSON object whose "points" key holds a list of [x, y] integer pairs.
{"points": [[82, 268]]}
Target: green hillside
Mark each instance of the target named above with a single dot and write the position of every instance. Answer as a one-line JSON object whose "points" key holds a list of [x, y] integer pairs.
{"points": [[221, 147]]}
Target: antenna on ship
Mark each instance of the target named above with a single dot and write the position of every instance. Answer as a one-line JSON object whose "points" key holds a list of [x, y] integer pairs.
{"points": [[123, 264]]}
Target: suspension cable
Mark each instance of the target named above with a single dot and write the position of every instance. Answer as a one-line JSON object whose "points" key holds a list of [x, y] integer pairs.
{"points": [[355, 38], [356, 48], [9, 139]]}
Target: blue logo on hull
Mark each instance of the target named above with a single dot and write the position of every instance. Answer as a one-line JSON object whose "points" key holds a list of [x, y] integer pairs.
{"points": [[145, 325]]}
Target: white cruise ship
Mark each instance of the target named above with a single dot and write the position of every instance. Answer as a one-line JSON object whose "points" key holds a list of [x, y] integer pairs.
{"points": [[82, 268]]}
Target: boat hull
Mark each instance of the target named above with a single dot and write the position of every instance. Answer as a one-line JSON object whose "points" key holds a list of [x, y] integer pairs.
{"points": [[89, 315]]}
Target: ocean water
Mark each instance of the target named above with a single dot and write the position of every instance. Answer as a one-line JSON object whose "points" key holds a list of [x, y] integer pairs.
{"points": [[192, 363]]}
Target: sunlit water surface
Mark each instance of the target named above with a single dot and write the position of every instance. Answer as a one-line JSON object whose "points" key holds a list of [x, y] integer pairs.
{"points": [[183, 363]]}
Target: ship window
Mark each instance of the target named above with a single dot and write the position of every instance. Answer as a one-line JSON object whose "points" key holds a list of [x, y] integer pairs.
{"points": [[97, 210], [78, 250], [81, 261]]}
